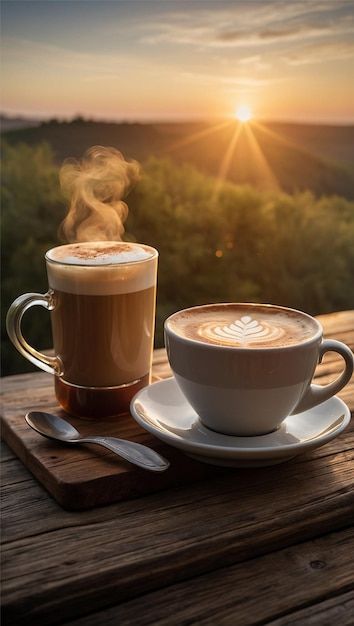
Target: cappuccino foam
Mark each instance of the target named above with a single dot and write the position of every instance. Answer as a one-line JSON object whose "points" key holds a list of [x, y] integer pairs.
{"points": [[90, 268], [244, 326], [99, 253]]}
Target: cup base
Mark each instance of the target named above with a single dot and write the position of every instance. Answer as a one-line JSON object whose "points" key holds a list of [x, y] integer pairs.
{"points": [[238, 433], [97, 402]]}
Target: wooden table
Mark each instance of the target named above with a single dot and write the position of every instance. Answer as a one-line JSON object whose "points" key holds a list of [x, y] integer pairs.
{"points": [[252, 546]]}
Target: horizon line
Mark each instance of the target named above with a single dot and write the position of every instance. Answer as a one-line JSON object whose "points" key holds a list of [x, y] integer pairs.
{"points": [[172, 120]]}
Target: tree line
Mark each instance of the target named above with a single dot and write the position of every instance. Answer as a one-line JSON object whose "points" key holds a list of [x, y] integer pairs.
{"points": [[217, 242]]}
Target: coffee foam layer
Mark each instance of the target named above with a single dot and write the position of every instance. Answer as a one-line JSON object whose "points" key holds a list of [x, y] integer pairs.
{"points": [[101, 268], [243, 326], [99, 253]]}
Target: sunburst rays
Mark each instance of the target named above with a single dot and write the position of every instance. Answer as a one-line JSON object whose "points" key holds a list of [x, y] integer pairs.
{"points": [[186, 141], [266, 175], [226, 161], [257, 161], [250, 156], [274, 135]]}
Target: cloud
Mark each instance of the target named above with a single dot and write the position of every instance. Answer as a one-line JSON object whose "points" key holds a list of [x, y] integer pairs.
{"points": [[279, 33], [250, 60], [320, 52], [267, 36], [245, 81], [16, 50], [90, 66], [254, 62], [228, 82], [262, 25]]}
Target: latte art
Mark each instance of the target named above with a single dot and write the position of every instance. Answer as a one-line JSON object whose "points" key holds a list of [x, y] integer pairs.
{"points": [[245, 330], [243, 325]]}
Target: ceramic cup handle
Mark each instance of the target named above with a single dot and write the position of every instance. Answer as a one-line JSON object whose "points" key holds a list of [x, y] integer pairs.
{"points": [[13, 324], [316, 394]]}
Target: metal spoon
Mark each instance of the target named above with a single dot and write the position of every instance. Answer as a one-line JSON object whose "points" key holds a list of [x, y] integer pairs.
{"points": [[55, 427]]}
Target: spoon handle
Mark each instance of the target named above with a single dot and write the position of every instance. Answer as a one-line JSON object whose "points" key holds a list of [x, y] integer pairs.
{"points": [[133, 452]]}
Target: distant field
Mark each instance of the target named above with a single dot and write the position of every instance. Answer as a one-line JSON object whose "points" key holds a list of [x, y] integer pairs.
{"points": [[330, 142], [16, 123], [335, 143], [292, 157]]}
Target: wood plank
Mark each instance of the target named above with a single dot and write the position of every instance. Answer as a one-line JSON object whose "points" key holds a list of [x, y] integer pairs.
{"points": [[50, 553], [22, 382], [6, 453], [253, 592], [331, 322], [337, 610]]}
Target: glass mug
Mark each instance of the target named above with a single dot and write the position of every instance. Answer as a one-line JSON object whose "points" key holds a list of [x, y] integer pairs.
{"points": [[101, 300]]}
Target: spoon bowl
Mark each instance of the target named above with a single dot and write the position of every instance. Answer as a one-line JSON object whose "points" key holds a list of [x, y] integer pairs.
{"points": [[51, 426]]}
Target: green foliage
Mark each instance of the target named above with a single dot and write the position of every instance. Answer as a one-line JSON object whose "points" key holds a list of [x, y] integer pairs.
{"points": [[32, 210], [300, 156], [296, 250], [233, 244]]}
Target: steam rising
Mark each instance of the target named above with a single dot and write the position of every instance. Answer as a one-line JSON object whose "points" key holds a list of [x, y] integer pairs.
{"points": [[95, 187]]}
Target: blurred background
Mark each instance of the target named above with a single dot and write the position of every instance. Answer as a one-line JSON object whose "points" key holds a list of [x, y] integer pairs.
{"points": [[242, 116]]}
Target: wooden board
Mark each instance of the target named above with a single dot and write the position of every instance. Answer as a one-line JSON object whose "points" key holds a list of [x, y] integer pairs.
{"points": [[83, 477], [87, 476]]}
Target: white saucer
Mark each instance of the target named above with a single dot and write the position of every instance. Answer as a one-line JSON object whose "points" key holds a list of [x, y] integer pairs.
{"points": [[163, 410]]}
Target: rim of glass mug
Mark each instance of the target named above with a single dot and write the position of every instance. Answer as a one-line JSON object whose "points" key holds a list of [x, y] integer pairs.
{"points": [[154, 254]]}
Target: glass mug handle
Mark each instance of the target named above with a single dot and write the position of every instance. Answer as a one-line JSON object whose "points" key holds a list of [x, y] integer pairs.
{"points": [[316, 394], [13, 324]]}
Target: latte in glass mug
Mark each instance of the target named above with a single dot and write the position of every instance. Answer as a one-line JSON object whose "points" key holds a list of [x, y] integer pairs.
{"points": [[102, 303], [244, 368]]}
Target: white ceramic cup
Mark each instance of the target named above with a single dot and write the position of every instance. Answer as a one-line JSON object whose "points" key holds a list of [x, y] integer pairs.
{"points": [[250, 391]]}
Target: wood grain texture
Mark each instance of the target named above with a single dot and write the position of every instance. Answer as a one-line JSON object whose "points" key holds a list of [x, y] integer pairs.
{"points": [[132, 547], [338, 610], [258, 591], [59, 565]]}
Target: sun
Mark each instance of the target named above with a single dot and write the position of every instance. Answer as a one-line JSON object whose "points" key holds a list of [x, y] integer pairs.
{"points": [[243, 113]]}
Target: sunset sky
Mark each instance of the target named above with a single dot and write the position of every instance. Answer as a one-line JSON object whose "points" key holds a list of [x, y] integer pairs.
{"points": [[172, 60]]}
